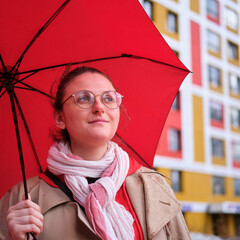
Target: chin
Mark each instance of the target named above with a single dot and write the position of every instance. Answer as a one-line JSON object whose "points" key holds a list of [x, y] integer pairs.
{"points": [[102, 137]]}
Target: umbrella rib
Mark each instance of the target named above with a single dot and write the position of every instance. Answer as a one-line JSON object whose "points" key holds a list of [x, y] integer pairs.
{"points": [[102, 59], [19, 81], [49, 21], [27, 131], [34, 89], [155, 61], [3, 92], [3, 64], [129, 146]]}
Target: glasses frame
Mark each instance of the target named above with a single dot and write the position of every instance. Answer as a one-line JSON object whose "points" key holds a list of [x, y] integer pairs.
{"points": [[101, 95]]}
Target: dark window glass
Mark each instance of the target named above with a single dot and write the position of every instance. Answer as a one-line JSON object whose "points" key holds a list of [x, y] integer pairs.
{"points": [[176, 102], [232, 50], [235, 118], [172, 22], [217, 148], [218, 185], [237, 187], [174, 140], [234, 84], [176, 177], [216, 111], [212, 8], [214, 76], [213, 42]]}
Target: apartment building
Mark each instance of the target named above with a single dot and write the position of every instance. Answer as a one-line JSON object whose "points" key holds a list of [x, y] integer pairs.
{"points": [[200, 145]]}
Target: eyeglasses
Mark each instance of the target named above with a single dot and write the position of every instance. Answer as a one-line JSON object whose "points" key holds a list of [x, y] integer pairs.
{"points": [[86, 99]]}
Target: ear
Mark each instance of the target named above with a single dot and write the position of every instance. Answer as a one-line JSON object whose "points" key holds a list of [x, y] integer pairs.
{"points": [[59, 120]]}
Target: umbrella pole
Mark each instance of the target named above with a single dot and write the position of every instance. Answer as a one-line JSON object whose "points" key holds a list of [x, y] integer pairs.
{"points": [[14, 114]]}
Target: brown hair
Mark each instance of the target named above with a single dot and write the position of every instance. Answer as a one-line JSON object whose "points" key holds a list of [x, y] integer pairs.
{"points": [[65, 80]]}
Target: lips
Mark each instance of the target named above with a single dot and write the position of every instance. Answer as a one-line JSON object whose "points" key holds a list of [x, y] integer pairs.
{"points": [[98, 121]]}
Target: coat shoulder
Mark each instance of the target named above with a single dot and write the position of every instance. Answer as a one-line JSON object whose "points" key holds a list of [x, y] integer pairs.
{"points": [[155, 177], [156, 206]]}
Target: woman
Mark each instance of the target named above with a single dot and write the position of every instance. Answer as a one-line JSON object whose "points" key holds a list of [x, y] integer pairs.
{"points": [[113, 196]]}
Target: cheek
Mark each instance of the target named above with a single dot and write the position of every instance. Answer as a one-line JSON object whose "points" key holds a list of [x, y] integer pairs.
{"points": [[117, 118]]}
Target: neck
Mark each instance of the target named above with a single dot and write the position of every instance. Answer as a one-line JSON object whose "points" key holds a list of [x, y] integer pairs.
{"points": [[89, 152]]}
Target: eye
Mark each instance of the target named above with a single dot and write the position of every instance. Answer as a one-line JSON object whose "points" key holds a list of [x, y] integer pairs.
{"points": [[109, 97], [83, 97]]}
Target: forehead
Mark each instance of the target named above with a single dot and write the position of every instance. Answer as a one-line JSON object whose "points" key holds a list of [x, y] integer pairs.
{"points": [[94, 82]]}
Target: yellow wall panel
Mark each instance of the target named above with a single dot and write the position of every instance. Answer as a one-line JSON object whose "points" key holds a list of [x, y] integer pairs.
{"points": [[199, 222], [194, 6], [195, 186], [198, 129], [160, 20]]}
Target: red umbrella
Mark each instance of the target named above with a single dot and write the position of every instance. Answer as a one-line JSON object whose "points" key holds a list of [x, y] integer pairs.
{"points": [[39, 38]]}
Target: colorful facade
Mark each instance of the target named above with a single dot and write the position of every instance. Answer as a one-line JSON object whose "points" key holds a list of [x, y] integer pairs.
{"points": [[200, 145]]}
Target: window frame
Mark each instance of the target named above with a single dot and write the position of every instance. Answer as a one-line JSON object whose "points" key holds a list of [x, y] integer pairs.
{"points": [[213, 17], [236, 187], [176, 177], [147, 3], [213, 84], [176, 103], [216, 51], [170, 29], [229, 10], [172, 142], [215, 122], [234, 91], [231, 52], [235, 120], [215, 181]]}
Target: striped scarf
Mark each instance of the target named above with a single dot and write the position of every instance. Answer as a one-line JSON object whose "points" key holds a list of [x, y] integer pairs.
{"points": [[109, 219]]}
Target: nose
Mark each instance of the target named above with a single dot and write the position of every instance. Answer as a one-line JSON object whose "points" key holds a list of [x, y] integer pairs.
{"points": [[98, 105]]}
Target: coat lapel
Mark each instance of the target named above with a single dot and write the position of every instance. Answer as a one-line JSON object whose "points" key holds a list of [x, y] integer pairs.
{"points": [[153, 200], [49, 197]]}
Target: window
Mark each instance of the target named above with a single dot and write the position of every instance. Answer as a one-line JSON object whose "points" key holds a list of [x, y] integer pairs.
{"points": [[217, 148], [176, 53], [237, 187], [234, 84], [216, 112], [213, 10], [231, 19], [148, 7], [213, 42], [174, 140], [237, 224], [176, 177], [176, 102], [236, 152], [218, 185], [232, 51], [214, 75], [172, 22], [235, 117], [220, 225]]}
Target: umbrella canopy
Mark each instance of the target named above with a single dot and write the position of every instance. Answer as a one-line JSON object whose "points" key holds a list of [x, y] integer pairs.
{"points": [[38, 39]]}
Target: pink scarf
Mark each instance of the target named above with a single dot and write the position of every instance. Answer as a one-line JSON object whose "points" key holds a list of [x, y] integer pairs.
{"points": [[110, 220]]}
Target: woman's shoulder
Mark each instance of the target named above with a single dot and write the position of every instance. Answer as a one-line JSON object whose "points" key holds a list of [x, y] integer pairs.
{"points": [[16, 193], [149, 177], [44, 194]]}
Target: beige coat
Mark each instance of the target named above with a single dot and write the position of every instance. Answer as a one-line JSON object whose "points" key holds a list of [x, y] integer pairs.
{"points": [[154, 202]]}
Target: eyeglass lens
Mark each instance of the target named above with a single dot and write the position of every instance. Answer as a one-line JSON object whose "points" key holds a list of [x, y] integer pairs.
{"points": [[86, 99]]}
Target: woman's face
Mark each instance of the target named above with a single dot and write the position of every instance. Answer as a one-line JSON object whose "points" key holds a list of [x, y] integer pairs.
{"points": [[88, 127]]}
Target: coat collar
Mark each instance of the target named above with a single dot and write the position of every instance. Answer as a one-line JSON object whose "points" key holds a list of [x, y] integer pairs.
{"points": [[48, 196], [153, 200]]}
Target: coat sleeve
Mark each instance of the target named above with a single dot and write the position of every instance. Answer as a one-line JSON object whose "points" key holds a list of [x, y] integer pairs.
{"points": [[178, 228], [11, 198]]}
